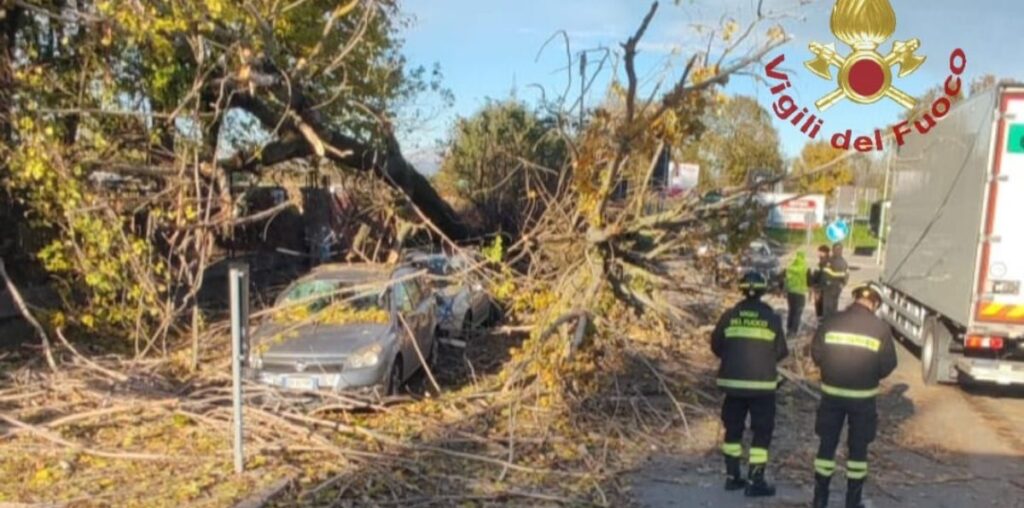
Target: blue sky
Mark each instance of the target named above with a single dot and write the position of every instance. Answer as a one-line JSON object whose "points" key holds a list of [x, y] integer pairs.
{"points": [[490, 48]]}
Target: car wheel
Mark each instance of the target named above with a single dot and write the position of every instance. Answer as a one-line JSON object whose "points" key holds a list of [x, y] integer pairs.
{"points": [[468, 327], [395, 379], [493, 313]]}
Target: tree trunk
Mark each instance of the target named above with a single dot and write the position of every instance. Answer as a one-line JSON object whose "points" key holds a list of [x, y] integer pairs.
{"points": [[302, 131]]}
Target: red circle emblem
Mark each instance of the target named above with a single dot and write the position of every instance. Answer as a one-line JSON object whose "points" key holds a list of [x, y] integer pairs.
{"points": [[867, 77]]}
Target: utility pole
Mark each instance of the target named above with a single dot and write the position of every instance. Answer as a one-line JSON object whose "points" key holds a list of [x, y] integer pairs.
{"points": [[882, 237]]}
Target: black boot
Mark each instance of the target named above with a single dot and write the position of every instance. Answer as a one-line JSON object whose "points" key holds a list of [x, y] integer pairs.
{"points": [[821, 491], [854, 492], [733, 475], [758, 487]]}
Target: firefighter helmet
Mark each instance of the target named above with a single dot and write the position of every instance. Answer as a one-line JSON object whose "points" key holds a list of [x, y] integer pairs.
{"points": [[867, 292], [754, 284]]}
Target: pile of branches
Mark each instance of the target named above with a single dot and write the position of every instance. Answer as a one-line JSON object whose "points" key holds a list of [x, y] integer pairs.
{"points": [[592, 287]]}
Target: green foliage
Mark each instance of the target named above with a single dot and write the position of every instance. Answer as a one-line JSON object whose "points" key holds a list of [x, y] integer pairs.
{"points": [[495, 251], [739, 138], [91, 248], [500, 162], [140, 89]]}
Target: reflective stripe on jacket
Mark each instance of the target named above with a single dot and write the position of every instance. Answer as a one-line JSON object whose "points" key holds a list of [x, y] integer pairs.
{"points": [[835, 273], [750, 340], [854, 350]]}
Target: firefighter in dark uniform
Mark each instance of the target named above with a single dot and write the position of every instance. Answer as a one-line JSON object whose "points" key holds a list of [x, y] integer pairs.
{"points": [[854, 350], [834, 277], [750, 341], [818, 278]]}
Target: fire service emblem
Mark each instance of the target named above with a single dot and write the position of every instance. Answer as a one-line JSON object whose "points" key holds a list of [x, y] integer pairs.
{"points": [[865, 75]]}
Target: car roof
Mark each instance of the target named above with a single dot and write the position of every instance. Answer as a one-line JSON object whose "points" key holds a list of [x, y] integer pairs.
{"points": [[342, 272], [420, 257]]}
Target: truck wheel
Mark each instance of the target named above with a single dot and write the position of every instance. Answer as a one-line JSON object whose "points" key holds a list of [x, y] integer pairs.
{"points": [[935, 357]]}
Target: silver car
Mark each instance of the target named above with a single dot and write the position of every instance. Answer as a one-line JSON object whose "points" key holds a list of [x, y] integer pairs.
{"points": [[347, 327], [463, 306]]}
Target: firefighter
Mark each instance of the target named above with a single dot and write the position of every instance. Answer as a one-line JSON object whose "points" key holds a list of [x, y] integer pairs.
{"points": [[824, 252], [854, 351], [834, 276], [795, 281], [750, 341]]}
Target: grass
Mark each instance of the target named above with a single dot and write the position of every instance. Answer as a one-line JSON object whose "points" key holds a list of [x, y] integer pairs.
{"points": [[862, 236]]}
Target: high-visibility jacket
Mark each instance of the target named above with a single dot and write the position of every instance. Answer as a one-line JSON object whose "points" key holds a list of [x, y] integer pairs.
{"points": [[855, 351], [750, 341], [798, 277]]}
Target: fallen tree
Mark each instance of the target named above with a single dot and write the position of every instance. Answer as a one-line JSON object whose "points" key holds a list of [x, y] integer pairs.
{"points": [[595, 283]]}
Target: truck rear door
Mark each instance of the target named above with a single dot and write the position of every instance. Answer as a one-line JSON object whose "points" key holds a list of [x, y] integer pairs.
{"points": [[1001, 268]]}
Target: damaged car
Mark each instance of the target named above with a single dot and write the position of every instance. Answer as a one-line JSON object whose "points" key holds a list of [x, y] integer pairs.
{"points": [[348, 328]]}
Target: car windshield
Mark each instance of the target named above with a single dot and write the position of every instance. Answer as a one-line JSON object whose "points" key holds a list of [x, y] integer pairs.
{"points": [[437, 266], [318, 294]]}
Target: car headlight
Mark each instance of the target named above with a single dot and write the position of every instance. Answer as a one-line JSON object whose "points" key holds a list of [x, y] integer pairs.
{"points": [[366, 357]]}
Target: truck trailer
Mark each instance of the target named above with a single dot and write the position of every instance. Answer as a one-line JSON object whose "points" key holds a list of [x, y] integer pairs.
{"points": [[954, 258]]}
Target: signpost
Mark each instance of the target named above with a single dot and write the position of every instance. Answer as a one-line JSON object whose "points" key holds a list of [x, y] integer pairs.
{"points": [[837, 231], [238, 288], [809, 218]]}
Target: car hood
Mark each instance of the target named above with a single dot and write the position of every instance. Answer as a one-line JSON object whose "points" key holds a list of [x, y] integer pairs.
{"points": [[317, 341]]}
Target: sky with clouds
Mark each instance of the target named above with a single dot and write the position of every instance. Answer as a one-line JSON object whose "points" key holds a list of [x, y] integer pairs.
{"points": [[495, 48]]}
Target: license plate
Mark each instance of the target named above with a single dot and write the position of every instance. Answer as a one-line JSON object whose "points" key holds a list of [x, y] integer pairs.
{"points": [[300, 383]]}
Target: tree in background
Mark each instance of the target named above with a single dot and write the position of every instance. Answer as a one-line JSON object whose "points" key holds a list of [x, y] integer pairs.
{"points": [[816, 154], [498, 161], [739, 138]]}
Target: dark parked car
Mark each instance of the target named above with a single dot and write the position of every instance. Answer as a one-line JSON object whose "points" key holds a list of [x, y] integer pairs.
{"points": [[760, 257], [347, 327]]}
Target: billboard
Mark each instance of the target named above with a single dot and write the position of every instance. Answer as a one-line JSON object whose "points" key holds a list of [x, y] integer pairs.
{"points": [[793, 211], [682, 177]]}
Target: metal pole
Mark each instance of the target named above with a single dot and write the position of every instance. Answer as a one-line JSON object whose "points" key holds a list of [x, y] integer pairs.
{"points": [[881, 212], [238, 288], [853, 218]]}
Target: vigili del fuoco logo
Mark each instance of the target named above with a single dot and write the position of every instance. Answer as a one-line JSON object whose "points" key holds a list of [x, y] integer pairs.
{"points": [[864, 75]]}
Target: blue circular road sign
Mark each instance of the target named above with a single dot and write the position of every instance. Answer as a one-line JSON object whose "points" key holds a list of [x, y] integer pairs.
{"points": [[837, 231]]}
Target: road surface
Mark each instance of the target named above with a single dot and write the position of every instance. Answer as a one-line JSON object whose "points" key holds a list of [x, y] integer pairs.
{"points": [[940, 446]]}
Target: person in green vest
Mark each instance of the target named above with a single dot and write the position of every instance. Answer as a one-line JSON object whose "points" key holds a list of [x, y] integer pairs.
{"points": [[796, 281]]}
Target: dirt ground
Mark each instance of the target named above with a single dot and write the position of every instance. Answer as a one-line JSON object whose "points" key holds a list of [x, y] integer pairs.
{"points": [[943, 446]]}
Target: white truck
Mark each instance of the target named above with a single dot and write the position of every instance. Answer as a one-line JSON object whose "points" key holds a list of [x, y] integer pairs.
{"points": [[954, 258]]}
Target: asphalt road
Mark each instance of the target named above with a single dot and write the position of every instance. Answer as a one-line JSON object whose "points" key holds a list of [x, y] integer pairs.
{"points": [[940, 446]]}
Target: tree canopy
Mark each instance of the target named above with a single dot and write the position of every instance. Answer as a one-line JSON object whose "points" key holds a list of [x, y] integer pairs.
{"points": [[500, 161], [739, 138]]}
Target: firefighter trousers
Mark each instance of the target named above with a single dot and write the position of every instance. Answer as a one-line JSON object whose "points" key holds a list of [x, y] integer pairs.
{"points": [[830, 301], [796, 303], [761, 409], [862, 417]]}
